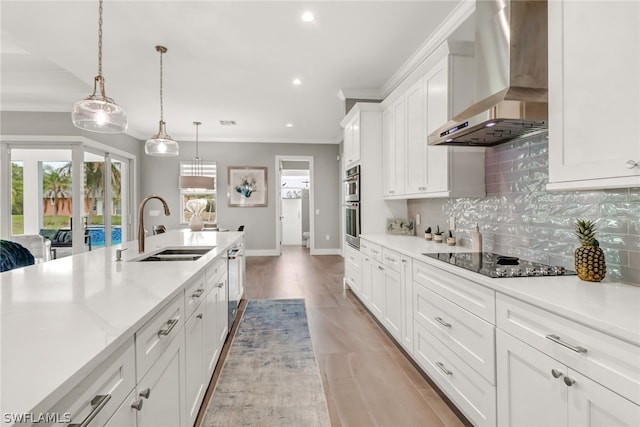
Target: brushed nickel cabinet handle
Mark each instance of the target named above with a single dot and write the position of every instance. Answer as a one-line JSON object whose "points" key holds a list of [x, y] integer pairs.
{"points": [[443, 369], [145, 393], [556, 339], [556, 373], [569, 381], [219, 285], [199, 315], [171, 323], [442, 322], [137, 404], [97, 403], [380, 268], [198, 293], [631, 164]]}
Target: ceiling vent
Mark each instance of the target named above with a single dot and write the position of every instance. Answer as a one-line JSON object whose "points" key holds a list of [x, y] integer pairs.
{"points": [[228, 122]]}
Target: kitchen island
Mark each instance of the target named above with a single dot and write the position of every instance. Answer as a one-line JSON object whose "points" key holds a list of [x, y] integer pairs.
{"points": [[63, 319]]}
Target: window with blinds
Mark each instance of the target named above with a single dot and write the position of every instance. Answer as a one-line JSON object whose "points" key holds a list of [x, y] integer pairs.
{"points": [[204, 169]]}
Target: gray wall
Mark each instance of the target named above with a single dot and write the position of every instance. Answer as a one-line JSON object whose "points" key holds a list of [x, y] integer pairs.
{"points": [[59, 124], [161, 177], [520, 217]]}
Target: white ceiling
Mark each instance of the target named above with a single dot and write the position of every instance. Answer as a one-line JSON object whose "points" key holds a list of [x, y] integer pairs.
{"points": [[232, 60]]}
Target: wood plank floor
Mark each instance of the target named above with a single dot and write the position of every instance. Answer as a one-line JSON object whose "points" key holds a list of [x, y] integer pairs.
{"points": [[367, 379]]}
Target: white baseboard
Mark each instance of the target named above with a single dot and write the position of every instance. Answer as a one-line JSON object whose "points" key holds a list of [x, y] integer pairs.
{"points": [[260, 252], [332, 251], [273, 252]]}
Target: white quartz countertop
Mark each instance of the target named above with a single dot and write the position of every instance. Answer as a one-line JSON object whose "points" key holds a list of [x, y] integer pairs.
{"points": [[60, 319], [608, 306]]}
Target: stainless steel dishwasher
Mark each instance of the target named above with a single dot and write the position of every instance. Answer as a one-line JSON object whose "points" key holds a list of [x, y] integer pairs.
{"points": [[235, 257]]}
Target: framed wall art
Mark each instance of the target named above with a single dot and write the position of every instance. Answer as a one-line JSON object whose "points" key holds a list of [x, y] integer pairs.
{"points": [[247, 186]]}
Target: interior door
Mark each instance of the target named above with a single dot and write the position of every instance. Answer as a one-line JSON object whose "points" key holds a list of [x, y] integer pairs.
{"points": [[292, 221]]}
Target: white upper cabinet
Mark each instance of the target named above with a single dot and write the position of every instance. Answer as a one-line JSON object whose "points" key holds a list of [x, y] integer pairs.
{"points": [[433, 94], [352, 141], [594, 94], [393, 148]]}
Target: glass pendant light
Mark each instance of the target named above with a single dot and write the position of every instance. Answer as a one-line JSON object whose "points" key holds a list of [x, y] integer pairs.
{"points": [[196, 181], [161, 144], [97, 112]]}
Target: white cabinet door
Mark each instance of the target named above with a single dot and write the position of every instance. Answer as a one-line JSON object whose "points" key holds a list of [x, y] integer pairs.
{"points": [[352, 141], [529, 394], [393, 148], [212, 346], [367, 268], [222, 311], [377, 290], [407, 301], [594, 94], [393, 303], [415, 171], [196, 382], [592, 405], [165, 405]]}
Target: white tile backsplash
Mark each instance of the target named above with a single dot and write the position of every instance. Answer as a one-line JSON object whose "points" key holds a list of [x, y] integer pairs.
{"points": [[520, 217]]}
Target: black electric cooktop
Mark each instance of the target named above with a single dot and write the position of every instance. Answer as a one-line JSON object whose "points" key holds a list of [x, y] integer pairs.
{"points": [[495, 265]]}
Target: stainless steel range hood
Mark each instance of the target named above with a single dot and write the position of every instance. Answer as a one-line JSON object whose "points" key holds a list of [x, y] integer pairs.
{"points": [[511, 76]]}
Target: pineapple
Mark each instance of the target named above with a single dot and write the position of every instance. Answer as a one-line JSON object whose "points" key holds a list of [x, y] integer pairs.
{"points": [[589, 258]]}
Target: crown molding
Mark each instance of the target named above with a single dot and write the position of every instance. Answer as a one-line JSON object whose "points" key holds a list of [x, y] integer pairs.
{"points": [[372, 94]]}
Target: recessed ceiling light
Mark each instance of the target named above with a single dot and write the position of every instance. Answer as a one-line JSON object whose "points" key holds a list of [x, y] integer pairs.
{"points": [[228, 122], [289, 125], [296, 82], [307, 17]]}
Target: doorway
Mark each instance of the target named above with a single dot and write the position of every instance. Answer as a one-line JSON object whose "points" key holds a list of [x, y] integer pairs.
{"points": [[294, 204]]}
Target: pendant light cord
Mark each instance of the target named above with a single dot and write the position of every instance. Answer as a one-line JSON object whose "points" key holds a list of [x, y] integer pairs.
{"points": [[100, 39], [161, 104]]}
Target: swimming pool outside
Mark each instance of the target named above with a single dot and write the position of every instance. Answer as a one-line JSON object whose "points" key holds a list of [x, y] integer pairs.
{"points": [[97, 235]]}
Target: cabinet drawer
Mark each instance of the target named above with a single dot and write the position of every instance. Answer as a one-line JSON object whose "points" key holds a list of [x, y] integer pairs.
{"points": [[468, 336], [213, 272], [465, 293], [471, 393], [352, 258], [100, 394], [194, 294], [373, 250], [155, 336], [607, 360], [391, 259]]}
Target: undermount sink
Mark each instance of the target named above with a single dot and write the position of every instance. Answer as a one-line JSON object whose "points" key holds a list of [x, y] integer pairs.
{"points": [[177, 254]]}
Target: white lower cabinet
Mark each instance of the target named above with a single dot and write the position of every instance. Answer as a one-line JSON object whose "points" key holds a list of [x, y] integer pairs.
{"points": [[500, 360], [536, 390], [161, 394], [468, 390], [553, 371], [195, 362], [377, 305], [353, 268]]}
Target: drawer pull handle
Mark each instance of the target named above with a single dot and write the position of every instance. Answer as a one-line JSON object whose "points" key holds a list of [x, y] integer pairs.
{"points": [[380, 268], [569, 381], [556, 339], [199, 315], [137, 404], [171, 323], [404, 261], [442, 322], [219, 285], [443, 369], [97, 403], [198, 293], [556, 373], [145, 393], [631, 164]]}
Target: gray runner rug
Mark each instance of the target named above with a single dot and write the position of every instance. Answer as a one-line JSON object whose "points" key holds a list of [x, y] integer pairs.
{"points": [[270, 376]]}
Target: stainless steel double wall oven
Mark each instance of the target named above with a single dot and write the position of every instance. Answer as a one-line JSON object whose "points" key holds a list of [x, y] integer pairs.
{"points": [[352, 206]]}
